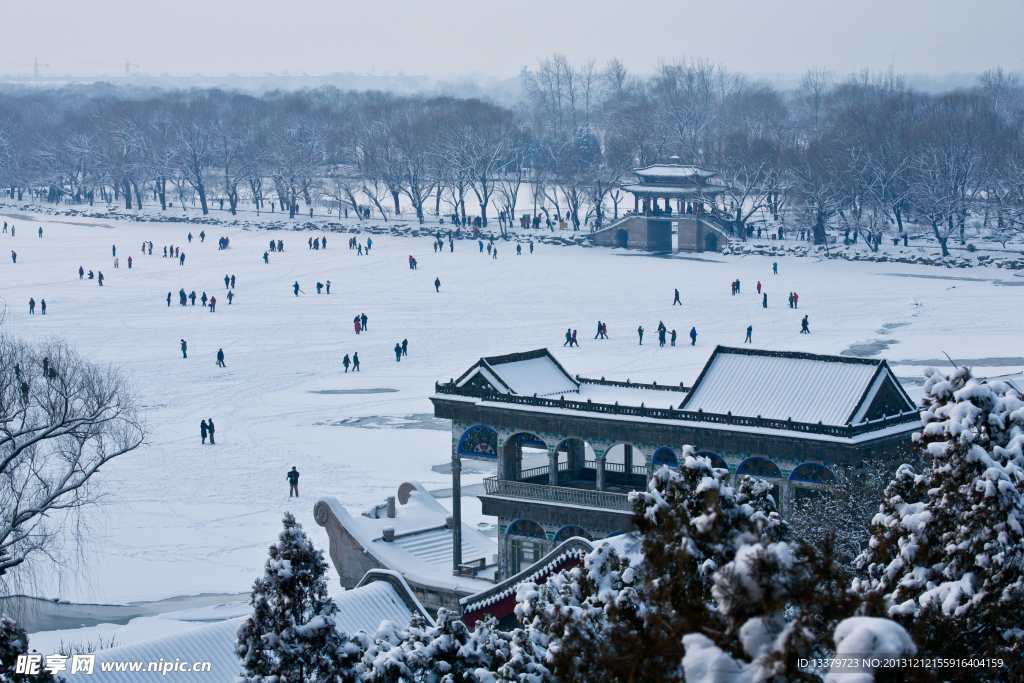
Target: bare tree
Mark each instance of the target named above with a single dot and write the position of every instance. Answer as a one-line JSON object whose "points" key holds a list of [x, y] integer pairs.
{"points": [[61, 419]]}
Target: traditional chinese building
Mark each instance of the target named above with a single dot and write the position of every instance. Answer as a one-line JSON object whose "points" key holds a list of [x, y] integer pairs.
{"points": [[569, 449], [667, 197]]}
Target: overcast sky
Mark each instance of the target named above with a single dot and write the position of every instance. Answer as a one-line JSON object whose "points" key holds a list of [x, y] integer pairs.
{"points": [[451, 38]]}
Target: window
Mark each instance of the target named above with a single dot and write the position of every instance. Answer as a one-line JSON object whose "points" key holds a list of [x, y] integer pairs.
{"points": [[525, 553], [666, 456]]}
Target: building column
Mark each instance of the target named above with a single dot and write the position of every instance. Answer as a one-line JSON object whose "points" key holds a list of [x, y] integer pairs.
{"points": [[786, 494], [627, 460], [553, 466], [456, 510], [600, 470], [636, 203]]}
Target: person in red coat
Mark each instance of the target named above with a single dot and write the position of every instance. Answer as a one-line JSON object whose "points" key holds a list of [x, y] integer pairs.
{"points": [[213, 302]]}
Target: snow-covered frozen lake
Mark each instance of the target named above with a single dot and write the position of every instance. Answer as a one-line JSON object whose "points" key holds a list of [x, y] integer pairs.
{"points": [[184, 518]]}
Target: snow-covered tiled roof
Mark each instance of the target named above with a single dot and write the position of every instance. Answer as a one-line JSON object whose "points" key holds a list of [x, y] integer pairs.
{"points": [[360, 609], [525, 374], [782, 385], [673, 171], [365, 607], [674, 189], [422, 548]]}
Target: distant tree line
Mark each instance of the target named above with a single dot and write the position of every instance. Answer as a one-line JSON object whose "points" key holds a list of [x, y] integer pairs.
{"points": [[868, 154]]}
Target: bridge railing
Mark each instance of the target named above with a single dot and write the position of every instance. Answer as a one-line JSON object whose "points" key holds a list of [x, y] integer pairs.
{"points": [[556, 494]]}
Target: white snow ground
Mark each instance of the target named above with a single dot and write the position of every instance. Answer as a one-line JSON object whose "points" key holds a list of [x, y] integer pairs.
{"points": [[185, 518]]}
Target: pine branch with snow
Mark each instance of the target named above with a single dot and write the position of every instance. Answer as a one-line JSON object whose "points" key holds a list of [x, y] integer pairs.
{"points": [[946, 557]]}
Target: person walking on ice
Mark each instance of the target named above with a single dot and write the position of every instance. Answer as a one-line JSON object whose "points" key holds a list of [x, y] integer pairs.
{"points": [[398, 352], [129, 263], [405, 347], [101, 278], [750, 330], [693, 336], [775, 268], [213, 302], [758, 286], [203, 430], [640, 331], [81, 272], [676, 300], [437, 283], [266, 257], [168, 299], [220, 358], [355, 362], [42, 304], [296, 288], [31, 306], [293, 483], [231, 295], [673, 337], [764, 302], [346, 362], [568, 335], [184, 349], [803, 326], [40, 232], [209, 426]]}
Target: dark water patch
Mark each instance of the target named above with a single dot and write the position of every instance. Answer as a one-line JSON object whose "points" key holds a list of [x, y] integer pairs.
{"points": [[416, 421], [868, 349], [38, 614], [468, 467], [999, 362]]}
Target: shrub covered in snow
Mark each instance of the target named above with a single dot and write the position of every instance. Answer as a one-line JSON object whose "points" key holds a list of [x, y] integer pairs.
{"points": [[292, 636], [946, 557], [14, 642], [452, 653]]}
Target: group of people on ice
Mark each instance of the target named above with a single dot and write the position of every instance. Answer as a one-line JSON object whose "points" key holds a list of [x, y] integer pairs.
{"points": [[32, 306], [401, 349], [353, 243], [208, 302]]}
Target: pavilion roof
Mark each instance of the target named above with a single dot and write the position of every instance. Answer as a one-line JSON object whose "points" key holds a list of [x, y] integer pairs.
{"points": [[525, 374], [676, 190], [803, 387], [673, 171]]}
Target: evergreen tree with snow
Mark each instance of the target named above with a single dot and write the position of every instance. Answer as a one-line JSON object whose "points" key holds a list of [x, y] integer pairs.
{"points": [[610, 620], [291, 636], [946, 557], [14, 642]]}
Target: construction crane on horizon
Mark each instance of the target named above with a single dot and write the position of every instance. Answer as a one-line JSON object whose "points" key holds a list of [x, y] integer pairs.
{"points": [[34, 64], [127, 67]]}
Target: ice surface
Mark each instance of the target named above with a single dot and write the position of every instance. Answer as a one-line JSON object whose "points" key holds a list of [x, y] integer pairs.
{"points": [[184, 518]]}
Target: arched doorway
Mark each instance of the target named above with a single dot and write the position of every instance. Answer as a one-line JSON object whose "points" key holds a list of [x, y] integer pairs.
{"points": [[621, 238], [711, 242]]}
